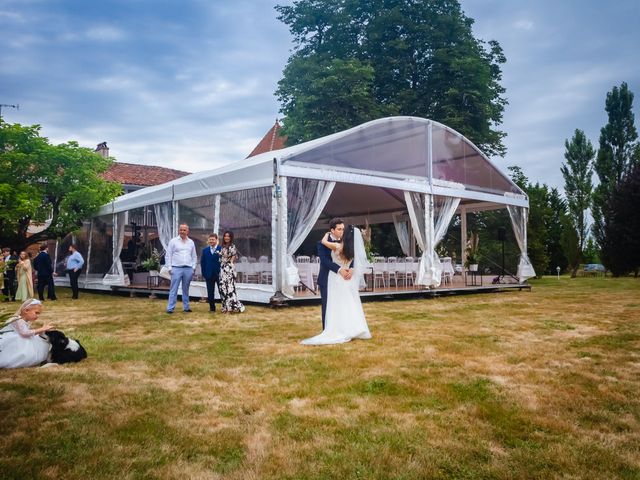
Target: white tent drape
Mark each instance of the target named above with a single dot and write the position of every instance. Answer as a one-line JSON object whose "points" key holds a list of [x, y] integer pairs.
{"points": [[418, 214], [402, 231], [164, 220], [519, 217], [430, 225], [306, 200], [116, 274], [443, 213]]}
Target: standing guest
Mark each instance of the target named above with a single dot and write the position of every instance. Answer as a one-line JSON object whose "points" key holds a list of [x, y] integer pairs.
{"points": [[19, 345], [25, 277], [42, 264], [74, 267], [9, 288], [227, 285], [181, 260], [210, 266]]}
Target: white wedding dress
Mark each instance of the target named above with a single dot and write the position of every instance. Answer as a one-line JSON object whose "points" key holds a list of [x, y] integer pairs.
{"points": [[344, 317], [20, 347]]}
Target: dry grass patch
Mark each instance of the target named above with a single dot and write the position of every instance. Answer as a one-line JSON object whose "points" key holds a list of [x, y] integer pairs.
{"points": [[539, 384]]}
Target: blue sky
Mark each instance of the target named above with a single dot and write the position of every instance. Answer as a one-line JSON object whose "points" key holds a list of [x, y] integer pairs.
{"points": [[190, 84]]}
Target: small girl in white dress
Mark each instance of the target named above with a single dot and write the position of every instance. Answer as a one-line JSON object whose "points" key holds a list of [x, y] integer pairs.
{"points": [[19, 345]]}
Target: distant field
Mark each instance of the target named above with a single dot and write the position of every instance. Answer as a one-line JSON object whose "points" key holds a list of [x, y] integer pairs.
{"points": [[542, 385]]}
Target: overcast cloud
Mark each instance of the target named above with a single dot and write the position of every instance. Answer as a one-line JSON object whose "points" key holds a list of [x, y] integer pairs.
{"points": [[190, 84]]}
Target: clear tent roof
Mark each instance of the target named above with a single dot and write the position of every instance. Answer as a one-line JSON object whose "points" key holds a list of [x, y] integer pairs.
{"points": [[399, 146]]}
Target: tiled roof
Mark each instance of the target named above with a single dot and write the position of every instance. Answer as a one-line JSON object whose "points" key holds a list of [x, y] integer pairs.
{"points": [[143, 175], [271, 141]]}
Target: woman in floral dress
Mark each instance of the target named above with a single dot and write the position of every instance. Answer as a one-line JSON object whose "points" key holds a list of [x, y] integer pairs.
{"points": [[228, 255]]}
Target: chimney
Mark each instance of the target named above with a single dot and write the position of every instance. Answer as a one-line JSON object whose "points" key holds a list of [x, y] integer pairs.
{"points": [[102, 149]]}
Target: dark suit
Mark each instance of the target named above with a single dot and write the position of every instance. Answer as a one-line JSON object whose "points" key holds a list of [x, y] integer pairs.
{"points": [[210, 266], [326, 264], [9, 288], [42, 264]]}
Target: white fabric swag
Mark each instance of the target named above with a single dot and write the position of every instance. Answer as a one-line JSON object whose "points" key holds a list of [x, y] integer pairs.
{"points": [[116, 274], [430, 226], [519, 217], [164, 220], [402, 231], [443, 213], [305, 201]]}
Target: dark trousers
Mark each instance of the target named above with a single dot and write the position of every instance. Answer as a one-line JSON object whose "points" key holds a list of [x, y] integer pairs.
{"points": [[73, 280], [9, 290], [323, 297], [211, 290], [46, 281]]}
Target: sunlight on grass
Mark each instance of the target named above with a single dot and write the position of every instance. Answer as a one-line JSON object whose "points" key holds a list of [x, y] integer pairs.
{"points": [[540, 384]]}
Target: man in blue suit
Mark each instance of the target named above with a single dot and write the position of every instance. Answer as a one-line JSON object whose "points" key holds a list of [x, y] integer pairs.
{"points": [[210, 266], [336, 227], [42, 264]]}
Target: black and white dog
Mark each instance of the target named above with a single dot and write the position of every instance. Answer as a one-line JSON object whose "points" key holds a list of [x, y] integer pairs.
{"points": [[63, 348]]}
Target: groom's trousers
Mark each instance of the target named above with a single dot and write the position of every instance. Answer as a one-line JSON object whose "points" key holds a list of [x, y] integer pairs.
{"points": [[323, 297]]}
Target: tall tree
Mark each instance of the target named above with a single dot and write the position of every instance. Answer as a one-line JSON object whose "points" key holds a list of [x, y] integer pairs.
{"points": [[55, 186], [618, 152], [555, 228], [578, 188], [622, 226], [423, 58]]}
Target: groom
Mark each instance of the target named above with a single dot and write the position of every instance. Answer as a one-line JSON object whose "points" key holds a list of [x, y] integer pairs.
{"points": [[336, 227]]}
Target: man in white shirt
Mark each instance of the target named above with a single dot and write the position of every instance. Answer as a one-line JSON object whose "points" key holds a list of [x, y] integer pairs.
{"points": [[180, 259]]}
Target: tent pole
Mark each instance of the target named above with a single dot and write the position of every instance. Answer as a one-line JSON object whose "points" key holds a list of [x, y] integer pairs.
{"points": [[279, 198], [463, 234]]}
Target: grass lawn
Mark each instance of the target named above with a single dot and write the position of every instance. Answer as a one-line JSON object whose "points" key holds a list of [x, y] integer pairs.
{"points": [[542, 384]]}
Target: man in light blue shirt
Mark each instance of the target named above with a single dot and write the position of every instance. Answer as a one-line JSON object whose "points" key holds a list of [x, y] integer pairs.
{"points": [[74, 267], [181, 260]]}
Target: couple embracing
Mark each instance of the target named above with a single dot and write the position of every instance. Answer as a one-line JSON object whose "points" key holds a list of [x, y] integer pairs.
{"points": [[342, 265]]}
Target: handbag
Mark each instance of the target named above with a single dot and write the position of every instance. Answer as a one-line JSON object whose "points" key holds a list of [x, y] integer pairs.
{"points": [[165, 272]]}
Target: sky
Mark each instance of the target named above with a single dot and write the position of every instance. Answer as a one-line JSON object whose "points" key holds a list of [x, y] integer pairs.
{"points": [[189, 84]]}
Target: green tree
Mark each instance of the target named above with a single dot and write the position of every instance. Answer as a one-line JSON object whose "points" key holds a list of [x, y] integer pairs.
{"points": [[618, 152], [578, 188], [622, 226], [404, 58], [56, 186], [555, 228]]}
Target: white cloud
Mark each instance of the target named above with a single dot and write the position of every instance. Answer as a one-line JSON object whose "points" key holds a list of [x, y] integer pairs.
{"points": [[105, 34], [523, 25]]}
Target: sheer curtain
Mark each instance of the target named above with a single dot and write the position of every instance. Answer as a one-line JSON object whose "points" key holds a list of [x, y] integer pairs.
{"points": [[305, 201], [402, 230], [445, 209], [519, 217], [430, 225], [164, 219], [418, 215], [116, 274]]}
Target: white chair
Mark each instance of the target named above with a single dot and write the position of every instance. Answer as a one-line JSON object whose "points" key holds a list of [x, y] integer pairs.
{"points": [[447, 270], [303, 262], [266, 275], [392, 266], [379, 269], [410, 270], [401, 271]]}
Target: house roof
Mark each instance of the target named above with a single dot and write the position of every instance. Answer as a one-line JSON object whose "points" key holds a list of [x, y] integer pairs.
{"points": [[143, 175], [271, 141]]}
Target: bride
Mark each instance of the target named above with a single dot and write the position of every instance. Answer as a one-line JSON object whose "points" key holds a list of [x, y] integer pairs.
{"points": [[344, 317]]}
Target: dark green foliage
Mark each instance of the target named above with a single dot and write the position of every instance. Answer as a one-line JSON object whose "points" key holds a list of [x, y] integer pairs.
{"points": [[357, 61], [547, 211], [621, 248], [578, 187], [619, 151], [40, 181]]}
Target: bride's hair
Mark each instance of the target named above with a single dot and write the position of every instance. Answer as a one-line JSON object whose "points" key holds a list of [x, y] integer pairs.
{"points": [[347, 243]]}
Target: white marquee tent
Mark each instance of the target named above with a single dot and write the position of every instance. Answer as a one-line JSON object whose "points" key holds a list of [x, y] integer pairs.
{"points": [[381, 171]]}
